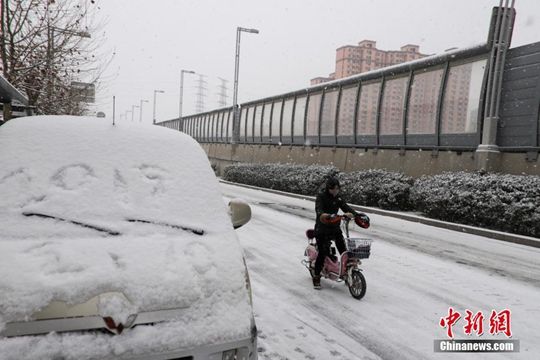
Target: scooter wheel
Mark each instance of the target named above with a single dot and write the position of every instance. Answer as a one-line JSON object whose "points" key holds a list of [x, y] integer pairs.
{"points": [[357, 287]]}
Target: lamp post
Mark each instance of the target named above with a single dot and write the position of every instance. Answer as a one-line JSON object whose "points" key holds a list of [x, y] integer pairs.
{"points": [[236, 124], [140, 109], [51, 50], [133, 111], [182, 91], [155, 92]]}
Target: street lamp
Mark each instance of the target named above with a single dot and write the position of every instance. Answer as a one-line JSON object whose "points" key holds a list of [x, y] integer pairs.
{"points": [[155, 92], [140, 109], [182, 91], [133, 111], [239, 30], [51, 50]]}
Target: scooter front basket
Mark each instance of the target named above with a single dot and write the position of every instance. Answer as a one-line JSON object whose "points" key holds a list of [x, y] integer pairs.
{"points": [[359, 248]]}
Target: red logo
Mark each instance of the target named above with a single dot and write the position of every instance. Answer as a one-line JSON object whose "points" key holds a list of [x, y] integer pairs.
{"points": [[474, 323], [449, 321], [117, 328], [499, 322]]}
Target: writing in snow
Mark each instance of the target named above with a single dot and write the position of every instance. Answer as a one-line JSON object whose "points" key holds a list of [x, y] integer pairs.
{"points": [[499, 322]]}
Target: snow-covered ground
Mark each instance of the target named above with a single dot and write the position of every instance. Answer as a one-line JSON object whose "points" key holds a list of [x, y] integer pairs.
{"points": [[415, 273]]}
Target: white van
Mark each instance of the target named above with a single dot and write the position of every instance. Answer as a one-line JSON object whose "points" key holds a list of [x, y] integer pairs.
{"points": [[115, 242]]}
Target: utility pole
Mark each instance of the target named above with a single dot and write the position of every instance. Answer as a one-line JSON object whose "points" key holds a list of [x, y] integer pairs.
{"points": [[140, 109], [51, 73], [133, 111], [154, 111], [201, 94], [181, 99], [222, 99], [236, 115]]}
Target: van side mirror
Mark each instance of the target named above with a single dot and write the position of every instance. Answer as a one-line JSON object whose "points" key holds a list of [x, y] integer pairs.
{"points": [[240, 212]]}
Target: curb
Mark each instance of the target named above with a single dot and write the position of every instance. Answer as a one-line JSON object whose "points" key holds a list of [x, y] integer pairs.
{"points": [[493, 234]]}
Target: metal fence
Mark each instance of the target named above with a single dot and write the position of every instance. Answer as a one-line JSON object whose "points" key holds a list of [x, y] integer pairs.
{"points": [[437, 102]]}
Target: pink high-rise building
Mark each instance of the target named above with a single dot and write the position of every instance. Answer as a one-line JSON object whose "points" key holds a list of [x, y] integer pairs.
{"points": [[352, 60]]}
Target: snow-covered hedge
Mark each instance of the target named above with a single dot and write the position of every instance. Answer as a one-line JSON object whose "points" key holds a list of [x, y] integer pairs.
{"points": [[299, 179], [503, 202], [379, 188]]}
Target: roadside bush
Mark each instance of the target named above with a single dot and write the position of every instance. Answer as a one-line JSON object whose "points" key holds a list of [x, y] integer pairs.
{"points": [[378, 188], [497, 201], [299, 179]]}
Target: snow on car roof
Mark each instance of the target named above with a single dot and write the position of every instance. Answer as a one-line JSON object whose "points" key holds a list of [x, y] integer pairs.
{"points": [[87, 170], [87, 207]]}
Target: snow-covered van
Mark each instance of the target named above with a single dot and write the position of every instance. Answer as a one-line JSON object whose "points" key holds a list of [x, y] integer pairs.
{"points": [[115, 242]]}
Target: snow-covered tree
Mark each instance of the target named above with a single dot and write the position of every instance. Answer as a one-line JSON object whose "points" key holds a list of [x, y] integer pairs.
{"points": [[45, 46]]}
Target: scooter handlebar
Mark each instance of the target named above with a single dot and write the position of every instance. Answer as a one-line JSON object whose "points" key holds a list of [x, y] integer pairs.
{"points": [[361, 220], [332, 219]]}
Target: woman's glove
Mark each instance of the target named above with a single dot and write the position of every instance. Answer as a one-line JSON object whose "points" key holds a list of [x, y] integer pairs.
{"points": [[362, 220]]}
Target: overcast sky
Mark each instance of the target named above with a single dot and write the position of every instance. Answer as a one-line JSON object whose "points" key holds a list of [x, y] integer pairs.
{"points": [[153, 40]]}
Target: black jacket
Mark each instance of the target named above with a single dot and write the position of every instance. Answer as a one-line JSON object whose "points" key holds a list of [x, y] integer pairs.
{"points": [[326, 203]]}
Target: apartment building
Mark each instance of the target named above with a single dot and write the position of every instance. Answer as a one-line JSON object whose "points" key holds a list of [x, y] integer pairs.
{"points": [[352, 60]]}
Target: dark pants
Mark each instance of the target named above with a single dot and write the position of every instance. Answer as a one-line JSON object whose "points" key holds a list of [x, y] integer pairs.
{"points": [[324, 240]]}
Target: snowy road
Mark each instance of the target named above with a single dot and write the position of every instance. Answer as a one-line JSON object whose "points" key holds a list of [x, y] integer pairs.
{"points": [[415, 273]]}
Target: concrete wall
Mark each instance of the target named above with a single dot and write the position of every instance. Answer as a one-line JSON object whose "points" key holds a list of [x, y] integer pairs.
{"points": [[412, 162]]}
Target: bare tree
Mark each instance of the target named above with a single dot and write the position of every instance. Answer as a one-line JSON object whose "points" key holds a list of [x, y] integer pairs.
{"points": [[45, 46]]}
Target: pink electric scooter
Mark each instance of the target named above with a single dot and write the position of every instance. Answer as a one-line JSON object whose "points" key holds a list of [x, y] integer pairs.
{"points": [[347, 266]]}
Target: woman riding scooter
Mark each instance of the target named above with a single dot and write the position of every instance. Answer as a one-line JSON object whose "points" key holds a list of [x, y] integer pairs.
{"points": [[327, 228]]}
